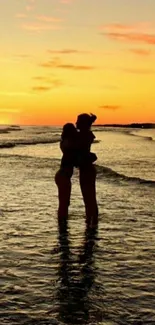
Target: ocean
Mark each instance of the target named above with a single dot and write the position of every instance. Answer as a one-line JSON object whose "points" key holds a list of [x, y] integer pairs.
{"points": [[103, 277]]}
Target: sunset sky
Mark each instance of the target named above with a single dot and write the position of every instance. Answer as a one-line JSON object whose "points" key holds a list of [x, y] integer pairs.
{"points": [[59, 58]]}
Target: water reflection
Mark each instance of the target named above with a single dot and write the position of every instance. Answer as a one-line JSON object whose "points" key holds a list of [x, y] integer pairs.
{"points": [[76, 278]]}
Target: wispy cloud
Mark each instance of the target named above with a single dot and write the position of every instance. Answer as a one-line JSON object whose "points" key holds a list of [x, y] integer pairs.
{"points": [[47, 83], [39, 27], [29, 8], [143, 26], [30, 5], [15, 58], [133, 37], [57, 63], [48, 80], [129, 33], [138, 71], [110, 107], [67, 51], [67, 2], [140, 52], [37, 23], [126, 27], [41, 88], [22, 56], [40, 78], [48, 19], [41, 18]]}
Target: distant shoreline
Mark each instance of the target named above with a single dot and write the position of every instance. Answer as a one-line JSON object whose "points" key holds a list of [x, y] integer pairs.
{"points": [[132, 125], [6, 128]]}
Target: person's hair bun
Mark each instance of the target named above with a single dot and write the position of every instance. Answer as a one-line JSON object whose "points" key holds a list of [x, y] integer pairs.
{"points": [[93, 118]]}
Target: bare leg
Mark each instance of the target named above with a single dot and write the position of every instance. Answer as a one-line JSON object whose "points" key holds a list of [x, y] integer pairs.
{"points": [[88, 189], [63, 182]]}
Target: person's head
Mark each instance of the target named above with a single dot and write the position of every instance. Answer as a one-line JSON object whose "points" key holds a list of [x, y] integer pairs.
{"points": [[68, 131], [84, 121]]}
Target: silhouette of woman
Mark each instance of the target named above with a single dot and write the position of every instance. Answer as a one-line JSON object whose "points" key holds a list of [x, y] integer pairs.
{"points": [[87, 170], [64, 174]]}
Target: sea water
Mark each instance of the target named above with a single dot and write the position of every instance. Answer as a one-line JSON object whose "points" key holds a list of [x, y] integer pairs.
{"points": [[103, 277]]}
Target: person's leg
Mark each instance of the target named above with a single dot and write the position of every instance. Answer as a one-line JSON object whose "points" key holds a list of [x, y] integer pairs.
{"points": [[88, 189], [63, 182]]}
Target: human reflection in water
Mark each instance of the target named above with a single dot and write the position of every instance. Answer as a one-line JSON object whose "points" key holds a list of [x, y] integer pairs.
{"points": [[76, 279]]}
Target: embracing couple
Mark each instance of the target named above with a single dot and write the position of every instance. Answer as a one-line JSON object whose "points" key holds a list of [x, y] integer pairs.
{"points": [[75, 145]]}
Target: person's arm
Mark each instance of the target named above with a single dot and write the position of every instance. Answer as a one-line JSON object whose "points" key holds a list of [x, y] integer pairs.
{"points": [[91, 138], [64, 145]]}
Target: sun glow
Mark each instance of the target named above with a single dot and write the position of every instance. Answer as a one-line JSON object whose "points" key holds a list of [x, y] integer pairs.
{"points": [[5, 121]]}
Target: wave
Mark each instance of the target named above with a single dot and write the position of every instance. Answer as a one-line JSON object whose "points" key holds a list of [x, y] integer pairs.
{"points": [[23, 142], [32, 162], [107, 172], [147, 134], [8, 129], [143, 135], [6, 145], [30, 142]]}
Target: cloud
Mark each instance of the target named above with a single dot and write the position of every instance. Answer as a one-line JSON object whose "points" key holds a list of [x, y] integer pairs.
{"points": [[30, 5], [66, 1], [141, 52], [15, 58], [48, 19], [117, 27], [42, 18], [21, 56], [39, 27], [67, 51], [57, 63], [138, 71], [47, 83], [129, 33], [48, 80], [41, 88], [56, 83], [29, 8], [133, 37], [144, 26], [40, 78], [110, 107], [37, 23]]}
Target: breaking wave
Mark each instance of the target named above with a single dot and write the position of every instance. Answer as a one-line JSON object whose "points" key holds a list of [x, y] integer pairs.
{"points": [[25, 142], [107, 172], [150, 136]]}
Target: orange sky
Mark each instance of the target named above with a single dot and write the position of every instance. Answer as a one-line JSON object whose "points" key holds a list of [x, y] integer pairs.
{"points": [[59, 58]]}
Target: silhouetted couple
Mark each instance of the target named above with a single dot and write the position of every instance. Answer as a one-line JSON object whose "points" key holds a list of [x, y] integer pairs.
{"points": [[75, 145]]}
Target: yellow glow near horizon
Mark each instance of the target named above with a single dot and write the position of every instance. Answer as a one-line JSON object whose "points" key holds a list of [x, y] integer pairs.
{"points": [[5, 121]]}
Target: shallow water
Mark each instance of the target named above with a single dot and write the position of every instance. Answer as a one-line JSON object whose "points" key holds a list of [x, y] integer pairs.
{"points": [[78, 277]]}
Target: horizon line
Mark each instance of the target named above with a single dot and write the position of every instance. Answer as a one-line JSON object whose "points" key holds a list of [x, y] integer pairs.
{"points": [[97, 124]]}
